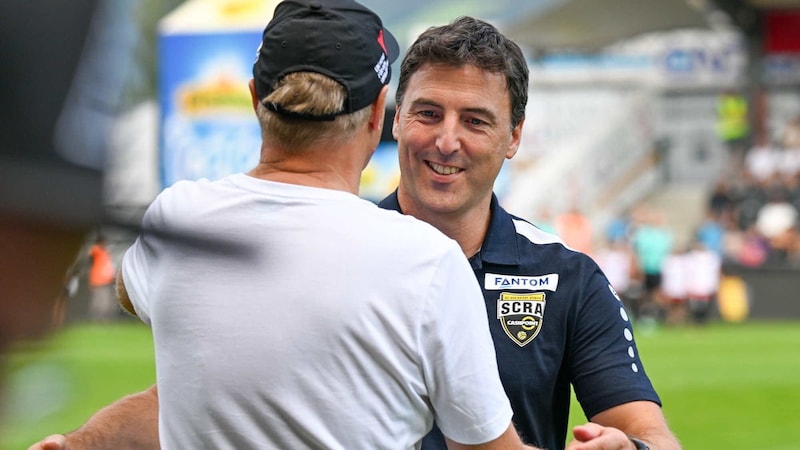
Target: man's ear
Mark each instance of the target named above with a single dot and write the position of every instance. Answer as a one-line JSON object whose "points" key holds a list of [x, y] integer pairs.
{"points": [[516, 137], [396, 122], [253, 94], [378, 111]]}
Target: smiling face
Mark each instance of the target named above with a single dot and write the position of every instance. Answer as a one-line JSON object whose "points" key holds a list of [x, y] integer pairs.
{"points": [[453, 131]]}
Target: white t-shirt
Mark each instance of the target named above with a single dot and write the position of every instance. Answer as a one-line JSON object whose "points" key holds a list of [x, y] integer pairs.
{"points": [[291, 317]]}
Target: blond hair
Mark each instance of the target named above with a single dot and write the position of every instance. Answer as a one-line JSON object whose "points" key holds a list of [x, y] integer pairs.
{"points": [[314, 94]]}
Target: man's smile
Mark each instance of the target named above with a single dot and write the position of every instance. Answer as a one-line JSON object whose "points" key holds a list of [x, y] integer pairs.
{"points": [[443, 170]]}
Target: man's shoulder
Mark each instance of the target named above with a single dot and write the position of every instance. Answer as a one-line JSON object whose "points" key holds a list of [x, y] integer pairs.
{"points": [[543, 249]]}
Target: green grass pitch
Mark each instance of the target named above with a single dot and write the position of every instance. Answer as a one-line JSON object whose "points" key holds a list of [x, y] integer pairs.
{"points": [[724, 386]]}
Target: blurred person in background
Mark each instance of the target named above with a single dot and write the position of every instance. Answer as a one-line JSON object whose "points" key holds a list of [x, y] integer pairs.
{"points": [[575, 229], [652, 241], [763, 161], [617, 262], [674, 286], [460, 110], [790, 135], [790, 161], [102, 274], [721, 203], [56, 102], [703, 275], [777, 222], [711, 231], [733, 126]]}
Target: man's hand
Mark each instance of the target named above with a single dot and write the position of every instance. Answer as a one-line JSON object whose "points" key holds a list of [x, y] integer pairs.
{"points": [[52, 442], [130, 423], [592, 436]]}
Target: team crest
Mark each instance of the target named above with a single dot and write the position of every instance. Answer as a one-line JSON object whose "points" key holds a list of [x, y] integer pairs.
{"points": [[521, 315]]}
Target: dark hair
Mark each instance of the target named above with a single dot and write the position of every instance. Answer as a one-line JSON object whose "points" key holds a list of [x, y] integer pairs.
{"points": [[470, 41]]}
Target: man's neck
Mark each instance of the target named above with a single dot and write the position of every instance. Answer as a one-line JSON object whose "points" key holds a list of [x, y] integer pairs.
{"points": [[327, 168], [468, 228]]}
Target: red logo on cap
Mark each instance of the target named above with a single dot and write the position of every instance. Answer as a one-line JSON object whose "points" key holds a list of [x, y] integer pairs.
{"points": [[381, 43]]}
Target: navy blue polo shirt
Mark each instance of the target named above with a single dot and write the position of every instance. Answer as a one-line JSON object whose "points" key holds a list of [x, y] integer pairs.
{"points": [[555, 321]]}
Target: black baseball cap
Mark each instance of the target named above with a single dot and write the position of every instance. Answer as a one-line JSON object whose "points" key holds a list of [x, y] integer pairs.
{"points": [[341, 39]]}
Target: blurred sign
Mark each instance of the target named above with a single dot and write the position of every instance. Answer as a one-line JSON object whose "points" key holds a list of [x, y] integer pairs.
{"points": [[207, 48], [382, 174], [674, 59], [782, 32]]}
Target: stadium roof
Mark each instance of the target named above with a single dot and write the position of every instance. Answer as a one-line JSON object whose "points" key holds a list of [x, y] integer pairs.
{"points": [[589, 25]]}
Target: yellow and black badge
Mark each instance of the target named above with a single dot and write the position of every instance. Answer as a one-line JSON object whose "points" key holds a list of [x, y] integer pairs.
{"points": [[521, 315]]}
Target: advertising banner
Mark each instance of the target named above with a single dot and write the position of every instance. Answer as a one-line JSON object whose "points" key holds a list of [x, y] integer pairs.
{"points": [[206, 53]]}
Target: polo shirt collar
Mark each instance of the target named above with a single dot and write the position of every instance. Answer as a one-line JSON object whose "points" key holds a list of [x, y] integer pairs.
{"points": [[500, 243]]}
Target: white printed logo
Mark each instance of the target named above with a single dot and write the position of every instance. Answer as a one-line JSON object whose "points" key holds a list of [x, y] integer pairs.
{"points": [[382, 68], [496, 282]]}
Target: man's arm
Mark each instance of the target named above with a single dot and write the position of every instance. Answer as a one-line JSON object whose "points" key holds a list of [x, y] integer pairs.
{"points": [[509, 440], [610, 429], [130, 423], [122, 295]]}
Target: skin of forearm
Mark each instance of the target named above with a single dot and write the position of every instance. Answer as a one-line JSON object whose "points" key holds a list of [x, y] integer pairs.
{"points": [[661, 441], [130, 423]]}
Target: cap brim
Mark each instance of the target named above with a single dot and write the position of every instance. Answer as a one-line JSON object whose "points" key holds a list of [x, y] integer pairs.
{"points": [[392, 47]]}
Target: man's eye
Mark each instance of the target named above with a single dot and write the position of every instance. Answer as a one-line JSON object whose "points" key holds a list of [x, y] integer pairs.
{"points": [[474, 121], [426, 113]]}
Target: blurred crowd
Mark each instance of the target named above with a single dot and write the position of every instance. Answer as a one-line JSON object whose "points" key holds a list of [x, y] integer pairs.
{"points": [[659, 277], [757, 203], [750, 220]]}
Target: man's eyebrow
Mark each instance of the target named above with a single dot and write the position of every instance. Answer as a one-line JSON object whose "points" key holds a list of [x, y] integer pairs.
{"points": [[425, 102]]}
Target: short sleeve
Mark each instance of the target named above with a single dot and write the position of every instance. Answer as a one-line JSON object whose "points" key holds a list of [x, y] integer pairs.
{"points": [[470, 405]]}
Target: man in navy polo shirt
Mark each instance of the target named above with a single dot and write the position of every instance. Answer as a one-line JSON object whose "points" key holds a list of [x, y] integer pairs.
{"points": [[554, 318]]}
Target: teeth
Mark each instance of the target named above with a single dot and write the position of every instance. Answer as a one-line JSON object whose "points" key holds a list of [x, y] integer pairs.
{"points": [[443, 170]]}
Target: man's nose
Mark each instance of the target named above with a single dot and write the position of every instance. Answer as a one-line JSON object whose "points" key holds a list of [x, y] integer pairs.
{"points": [[449, 139]]}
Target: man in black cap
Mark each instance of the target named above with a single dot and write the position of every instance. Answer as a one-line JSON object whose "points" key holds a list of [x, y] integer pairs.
{"points": [[335, 324]]}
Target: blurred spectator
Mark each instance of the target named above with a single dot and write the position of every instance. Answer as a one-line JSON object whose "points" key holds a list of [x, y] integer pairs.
{"points": [[703, 274], [674, 289], [721, 202], [790, 136], [790, 163], [747, 247], [619, 228], [711, 232], [102, 274], [651, 241], [733, 126], [575, 229], [616, 261], [762, 162], [749, 196], [777, 222], [793, 190]]}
